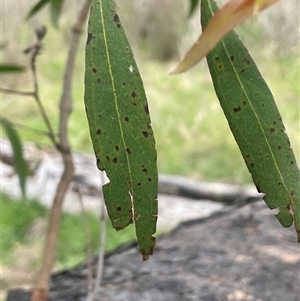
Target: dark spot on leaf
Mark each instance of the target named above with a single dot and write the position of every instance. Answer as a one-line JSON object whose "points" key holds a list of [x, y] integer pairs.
{"points": [[267, 156], [236, 109], [279, 184], [116, 18], [246, 61], [98, 80], [220, 66], [126, 119], [146, 134], [107, 158], [98, 132], [124, 84], [292, 162], [133, 94], [145, 170], [258, 189], [252, 164], [134, 103], [98, 161], [117, 148], [86, 109], [279, 147], [146, 109], [139, 184], [274, 122], [115, 160], [89, 38], [292, 193], [128, 151], [272, 130], [149, 179], [94, 70], [99, 115], [262, 104], [244, 102], [119, 208], [243, 71], [232, 58], [217, 58]]}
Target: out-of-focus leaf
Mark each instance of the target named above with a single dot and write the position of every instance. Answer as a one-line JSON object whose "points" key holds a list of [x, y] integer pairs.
{"points": [[232, 14], [120, 126], [36, 8], [11, 68], [19, 161], [193, 5], [256, 123], [56, 6]]}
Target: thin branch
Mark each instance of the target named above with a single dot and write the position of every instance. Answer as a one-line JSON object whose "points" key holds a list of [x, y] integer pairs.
{"points": [[66, 96], [35, 52], [21, 93], [102, 243], [41, 290], [27, 128], [88, 242]]}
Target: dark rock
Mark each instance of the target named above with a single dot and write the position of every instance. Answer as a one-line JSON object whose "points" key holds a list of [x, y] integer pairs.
{"points": [[238, 254]]}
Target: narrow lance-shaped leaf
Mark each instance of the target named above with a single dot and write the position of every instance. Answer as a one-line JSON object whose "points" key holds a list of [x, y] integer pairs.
{"points": [[120, 126], [19, 161], [256, 123], [193, 5], [11, 68], [37, 7], [56, 6], [232, 14]]}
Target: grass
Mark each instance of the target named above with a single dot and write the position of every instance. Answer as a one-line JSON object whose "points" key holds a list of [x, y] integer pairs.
{"points": [[23, 227]]}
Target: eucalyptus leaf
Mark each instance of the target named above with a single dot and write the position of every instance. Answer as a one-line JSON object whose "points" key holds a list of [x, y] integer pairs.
{"points": [[56, 6], [19, 161], [11, 68], [37, 7], [120, 126], [256, 123], [193, 5]]}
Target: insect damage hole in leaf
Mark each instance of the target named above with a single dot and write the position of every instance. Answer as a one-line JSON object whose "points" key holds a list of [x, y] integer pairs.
{"points": [[120, 130]]}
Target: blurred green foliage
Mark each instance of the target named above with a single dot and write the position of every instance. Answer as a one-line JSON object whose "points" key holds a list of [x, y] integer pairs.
{"points": [[18, 219]]}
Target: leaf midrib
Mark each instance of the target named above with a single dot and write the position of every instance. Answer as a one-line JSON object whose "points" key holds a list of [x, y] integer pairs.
{"points": [[253, 110], [114, 93]]}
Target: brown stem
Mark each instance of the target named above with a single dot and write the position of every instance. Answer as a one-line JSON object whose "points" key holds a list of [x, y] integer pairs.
{"points": [[21, 93], [36, 94], [41, 289]]}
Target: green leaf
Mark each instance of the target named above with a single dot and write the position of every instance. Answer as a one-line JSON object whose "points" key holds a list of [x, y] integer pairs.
{"points": [[11, 68], [256, 123], [120, 126], [19, 161], [56, 6], [193, 5], [36, 8]]}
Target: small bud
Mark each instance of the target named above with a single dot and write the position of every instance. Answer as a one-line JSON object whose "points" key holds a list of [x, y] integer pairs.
{"points": [[41, 32]]}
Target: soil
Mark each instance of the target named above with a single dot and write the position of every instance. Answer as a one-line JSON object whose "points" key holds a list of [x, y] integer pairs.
{"points": [[235, 254]]}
